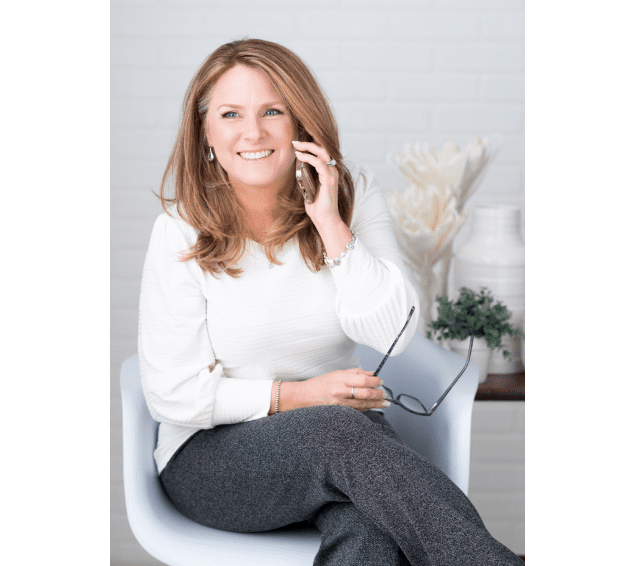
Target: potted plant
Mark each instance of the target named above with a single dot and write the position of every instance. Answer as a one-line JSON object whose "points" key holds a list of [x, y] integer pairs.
{"points": [[473, 314]]}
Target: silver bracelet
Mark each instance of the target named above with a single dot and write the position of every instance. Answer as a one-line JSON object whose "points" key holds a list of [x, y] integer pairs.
{"points": [[333, 262], [278, 396]]}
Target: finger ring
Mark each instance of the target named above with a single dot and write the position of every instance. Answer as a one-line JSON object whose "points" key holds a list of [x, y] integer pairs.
{"points": [[352, 393], [331, 163]]}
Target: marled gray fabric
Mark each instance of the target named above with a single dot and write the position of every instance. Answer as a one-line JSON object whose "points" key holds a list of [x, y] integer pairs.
{"points": [[373, 498]]}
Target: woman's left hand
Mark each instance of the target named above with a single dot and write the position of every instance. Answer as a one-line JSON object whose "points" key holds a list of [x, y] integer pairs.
{"points": [[324, 209]]}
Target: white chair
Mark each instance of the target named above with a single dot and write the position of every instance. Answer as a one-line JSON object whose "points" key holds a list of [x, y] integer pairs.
{"points": [[423, 370]]}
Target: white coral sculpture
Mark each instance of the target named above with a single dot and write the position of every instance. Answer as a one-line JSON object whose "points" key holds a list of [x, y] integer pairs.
{"points": [[430, 212]]}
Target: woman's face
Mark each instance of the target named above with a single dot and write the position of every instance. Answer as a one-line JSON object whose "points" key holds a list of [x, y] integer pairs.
{"points": [[250, 129]]}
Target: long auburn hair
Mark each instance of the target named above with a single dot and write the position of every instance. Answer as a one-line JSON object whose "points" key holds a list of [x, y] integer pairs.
{"points": [[202, 192]]}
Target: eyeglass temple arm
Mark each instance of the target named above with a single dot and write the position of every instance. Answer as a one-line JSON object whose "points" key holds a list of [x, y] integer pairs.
{"points": [[394, 343], [469, 352]]}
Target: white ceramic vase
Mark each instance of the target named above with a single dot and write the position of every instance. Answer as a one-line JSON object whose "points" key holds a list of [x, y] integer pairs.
{"points": [[481, 354], [494, 257]]}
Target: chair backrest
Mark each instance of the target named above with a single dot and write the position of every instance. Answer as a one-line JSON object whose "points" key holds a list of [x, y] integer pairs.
{"points": [[423, 370]]}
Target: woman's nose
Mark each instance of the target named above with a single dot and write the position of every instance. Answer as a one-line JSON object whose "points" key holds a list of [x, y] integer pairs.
{"points": [[253, 129]]}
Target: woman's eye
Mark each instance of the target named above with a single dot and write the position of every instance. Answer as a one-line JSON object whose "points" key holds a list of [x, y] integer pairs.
{"points": [[273, 111], [230, 114]]}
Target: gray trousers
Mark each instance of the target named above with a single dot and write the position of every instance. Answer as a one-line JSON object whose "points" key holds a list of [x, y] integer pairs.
{"points": [[374, 499]]}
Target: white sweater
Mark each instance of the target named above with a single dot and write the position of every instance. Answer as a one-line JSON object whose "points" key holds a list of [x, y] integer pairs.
{"points": [[210, 348]]}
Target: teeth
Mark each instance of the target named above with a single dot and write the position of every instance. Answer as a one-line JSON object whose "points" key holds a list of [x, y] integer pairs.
{"points": [[258, 155]]}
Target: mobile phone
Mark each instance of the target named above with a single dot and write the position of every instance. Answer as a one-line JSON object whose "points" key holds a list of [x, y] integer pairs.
{"points": [[305, 175]]}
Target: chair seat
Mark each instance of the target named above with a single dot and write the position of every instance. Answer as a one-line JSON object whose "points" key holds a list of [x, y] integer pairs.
{"points": [[423, 370]]}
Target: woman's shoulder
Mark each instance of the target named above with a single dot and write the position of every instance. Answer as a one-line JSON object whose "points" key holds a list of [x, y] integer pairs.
{"points": [[364, 180], [369, 199], [174, 226]]}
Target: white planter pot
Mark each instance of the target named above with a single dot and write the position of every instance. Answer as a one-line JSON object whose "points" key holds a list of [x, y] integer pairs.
{"points": [[481, 354], [495, 258]]}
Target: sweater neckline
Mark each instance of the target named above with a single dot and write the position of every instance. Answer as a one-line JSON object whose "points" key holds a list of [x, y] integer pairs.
{"points": [[257, 250]]}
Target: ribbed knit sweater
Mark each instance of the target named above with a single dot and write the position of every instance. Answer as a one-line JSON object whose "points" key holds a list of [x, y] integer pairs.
{"points": [[210, 347]]}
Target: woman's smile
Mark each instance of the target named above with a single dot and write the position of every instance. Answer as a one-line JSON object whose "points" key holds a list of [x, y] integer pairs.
{"points": [[257, 155]]}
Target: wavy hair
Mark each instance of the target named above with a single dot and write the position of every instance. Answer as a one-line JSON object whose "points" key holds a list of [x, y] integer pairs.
{"points": [[202, 192]]}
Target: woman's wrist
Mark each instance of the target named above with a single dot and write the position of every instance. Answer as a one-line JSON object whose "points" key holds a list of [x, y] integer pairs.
{"points": [[335, 235], [328, 224], [290, 396], [275, 397]]}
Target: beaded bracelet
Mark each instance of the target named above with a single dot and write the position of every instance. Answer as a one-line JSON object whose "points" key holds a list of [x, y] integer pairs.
{"points": [[278, 396], [333, 262]]}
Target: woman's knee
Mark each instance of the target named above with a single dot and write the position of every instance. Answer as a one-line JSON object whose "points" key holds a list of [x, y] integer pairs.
{"points": [[333, 426], [336, 418]]}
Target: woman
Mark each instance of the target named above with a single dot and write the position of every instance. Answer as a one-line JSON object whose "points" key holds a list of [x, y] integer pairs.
{"points": [[247, 338]]}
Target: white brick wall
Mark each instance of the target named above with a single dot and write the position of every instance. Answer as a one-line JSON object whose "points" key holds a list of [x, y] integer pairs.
{"points": [[396, 71]]}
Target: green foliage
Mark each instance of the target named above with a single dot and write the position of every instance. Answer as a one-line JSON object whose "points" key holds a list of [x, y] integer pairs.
{"points": [[475, 315]]}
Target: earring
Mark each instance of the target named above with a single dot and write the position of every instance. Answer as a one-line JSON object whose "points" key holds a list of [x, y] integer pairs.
{"points": [[211, 154]]}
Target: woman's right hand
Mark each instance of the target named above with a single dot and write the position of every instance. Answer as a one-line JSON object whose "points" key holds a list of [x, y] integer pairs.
{"points": [[333, 388]]}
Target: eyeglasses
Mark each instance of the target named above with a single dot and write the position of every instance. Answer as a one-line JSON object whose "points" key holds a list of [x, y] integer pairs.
{"points": [[408, 402]]}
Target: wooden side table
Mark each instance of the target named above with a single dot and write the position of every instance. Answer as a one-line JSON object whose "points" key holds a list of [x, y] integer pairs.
{"points": [[502, 387]]}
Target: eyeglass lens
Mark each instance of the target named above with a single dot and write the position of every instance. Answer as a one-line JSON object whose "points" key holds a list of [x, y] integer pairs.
{"points": [[411, 403]]}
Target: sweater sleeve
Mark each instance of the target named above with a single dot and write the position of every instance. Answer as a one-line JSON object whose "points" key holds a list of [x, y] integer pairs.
{"points": [[374, 291], [182, 383]]}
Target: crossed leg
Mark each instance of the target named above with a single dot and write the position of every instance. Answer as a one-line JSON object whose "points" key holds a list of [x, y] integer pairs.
{"points": [[287, 468]]}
